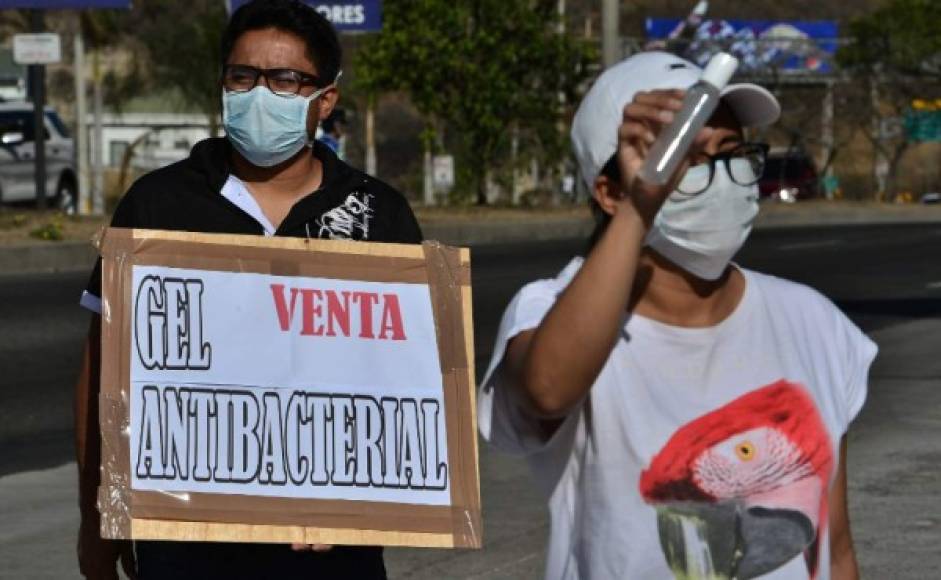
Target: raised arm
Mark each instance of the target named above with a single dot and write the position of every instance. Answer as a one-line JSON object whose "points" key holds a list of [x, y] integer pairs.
{"points": [[555, 365]]}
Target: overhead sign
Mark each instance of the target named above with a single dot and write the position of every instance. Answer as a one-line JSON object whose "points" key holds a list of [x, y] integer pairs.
{"points": [[760, 45], [64, 4], [345, 15], [923, 121], [38, 48], [288, 384]]}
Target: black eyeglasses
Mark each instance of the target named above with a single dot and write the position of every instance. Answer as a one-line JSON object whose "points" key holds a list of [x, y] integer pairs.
{"points": [[284, 82], [744, 164]]}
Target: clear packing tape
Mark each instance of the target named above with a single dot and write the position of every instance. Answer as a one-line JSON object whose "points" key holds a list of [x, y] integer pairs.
{"points": [[136, 514], [114, 492], [450, 284]]}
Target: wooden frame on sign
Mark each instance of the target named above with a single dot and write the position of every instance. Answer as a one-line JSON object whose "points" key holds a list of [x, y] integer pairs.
{"points": [[136, 514]]}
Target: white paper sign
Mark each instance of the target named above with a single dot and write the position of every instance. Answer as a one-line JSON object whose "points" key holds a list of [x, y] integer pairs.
{"points": [[285, 386], [443, 172], [37, 48]]}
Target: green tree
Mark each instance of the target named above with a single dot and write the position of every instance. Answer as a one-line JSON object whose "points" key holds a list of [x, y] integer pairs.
{"points": [[897, 49], [166, 55], [103, 32], [182, 43], [902, 39], [479, 68], [174, 47]]}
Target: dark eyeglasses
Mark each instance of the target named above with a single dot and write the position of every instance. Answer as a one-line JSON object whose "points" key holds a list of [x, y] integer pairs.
{"points": [[744, 164], [284, 82]]}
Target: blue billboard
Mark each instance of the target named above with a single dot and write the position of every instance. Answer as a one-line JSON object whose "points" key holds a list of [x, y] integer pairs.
{"points": [[64, 4], [345, 15], [785, 46]]}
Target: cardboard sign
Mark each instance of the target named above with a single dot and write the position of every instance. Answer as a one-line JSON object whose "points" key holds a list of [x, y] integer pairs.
{"points": [[283, 390]]}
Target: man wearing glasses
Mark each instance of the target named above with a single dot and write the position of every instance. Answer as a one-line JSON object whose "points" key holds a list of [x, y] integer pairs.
{"points": [[268, 176], [684, 417]]}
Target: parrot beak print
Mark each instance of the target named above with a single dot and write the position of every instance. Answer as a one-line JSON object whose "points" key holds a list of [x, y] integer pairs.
{"points": [[742, 490]]}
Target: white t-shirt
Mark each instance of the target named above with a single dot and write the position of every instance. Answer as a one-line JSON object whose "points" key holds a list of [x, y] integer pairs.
{"points": [[699, 453]]}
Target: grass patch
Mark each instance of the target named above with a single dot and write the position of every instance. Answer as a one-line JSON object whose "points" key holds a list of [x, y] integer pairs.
{"points": [[49, 231], [21, 225]]}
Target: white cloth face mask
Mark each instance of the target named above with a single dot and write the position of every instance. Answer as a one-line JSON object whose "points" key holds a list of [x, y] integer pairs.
{"points": [[702, 233]]}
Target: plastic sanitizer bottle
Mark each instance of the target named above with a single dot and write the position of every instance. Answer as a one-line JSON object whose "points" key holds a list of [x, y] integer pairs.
{"points": [[671, 146]]}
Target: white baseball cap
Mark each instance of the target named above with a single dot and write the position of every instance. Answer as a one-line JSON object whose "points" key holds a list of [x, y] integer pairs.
{"points": [[596, 123]]}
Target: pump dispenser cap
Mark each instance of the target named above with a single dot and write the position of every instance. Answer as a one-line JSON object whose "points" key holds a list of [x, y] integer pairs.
{"points": [[720, 69]]}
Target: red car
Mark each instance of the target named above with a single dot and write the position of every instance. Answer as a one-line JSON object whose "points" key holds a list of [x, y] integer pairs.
{"points": [[789, 176]]}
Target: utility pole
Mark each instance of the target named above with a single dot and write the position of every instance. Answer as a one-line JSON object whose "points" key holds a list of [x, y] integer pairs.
{"points": [[826, 129], [428, 182], [37, 78], [81, 128], [98, 187], [610, 33], [557, 190], [880, 164], [371, 165]]}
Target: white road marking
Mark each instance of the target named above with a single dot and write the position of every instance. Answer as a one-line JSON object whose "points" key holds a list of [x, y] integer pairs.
{"points": [[933, 285], [810, 245]]}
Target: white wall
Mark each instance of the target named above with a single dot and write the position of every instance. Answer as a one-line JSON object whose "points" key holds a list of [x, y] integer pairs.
{"points": [[170, 140]]}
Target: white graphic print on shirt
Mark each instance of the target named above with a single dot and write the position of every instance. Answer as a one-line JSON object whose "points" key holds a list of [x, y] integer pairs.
{"points": [[349, 220]]}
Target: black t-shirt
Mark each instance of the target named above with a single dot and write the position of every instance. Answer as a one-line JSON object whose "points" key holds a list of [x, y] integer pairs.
{"points": [[186, 196]]}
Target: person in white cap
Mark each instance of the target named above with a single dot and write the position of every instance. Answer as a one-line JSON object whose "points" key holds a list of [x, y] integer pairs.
{"points": [[684, 417]]}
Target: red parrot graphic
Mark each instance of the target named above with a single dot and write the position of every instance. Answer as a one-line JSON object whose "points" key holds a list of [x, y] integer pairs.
{"points": [[742, 490]]}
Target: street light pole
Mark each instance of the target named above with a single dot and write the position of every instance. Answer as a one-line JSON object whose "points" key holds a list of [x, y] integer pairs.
{"points": [[610, 34]]}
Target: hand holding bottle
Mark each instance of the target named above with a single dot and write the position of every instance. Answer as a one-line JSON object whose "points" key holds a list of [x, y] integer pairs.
{"points": [[666, 129], [644, 119]]}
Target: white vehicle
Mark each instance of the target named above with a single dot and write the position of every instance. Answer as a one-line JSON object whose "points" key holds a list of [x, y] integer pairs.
{"points": [[18, 152]]}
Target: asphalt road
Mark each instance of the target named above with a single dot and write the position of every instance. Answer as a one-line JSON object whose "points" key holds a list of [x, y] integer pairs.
{"points": [[887, 278]]}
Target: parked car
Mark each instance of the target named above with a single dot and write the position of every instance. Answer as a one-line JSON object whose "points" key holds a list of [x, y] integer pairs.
{"points": [[17, 155], [789, 176]]}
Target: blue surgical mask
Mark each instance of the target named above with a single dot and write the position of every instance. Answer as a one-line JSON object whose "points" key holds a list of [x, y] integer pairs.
{"points": [[264, 128]]}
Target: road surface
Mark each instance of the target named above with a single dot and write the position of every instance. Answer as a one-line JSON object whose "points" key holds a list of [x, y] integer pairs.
{"points": [[887, 278]]}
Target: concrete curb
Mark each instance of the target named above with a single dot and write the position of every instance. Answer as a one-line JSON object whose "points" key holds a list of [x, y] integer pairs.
{"points": [[42, 257], [837, 214], [504, 231], [47, 257]]}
